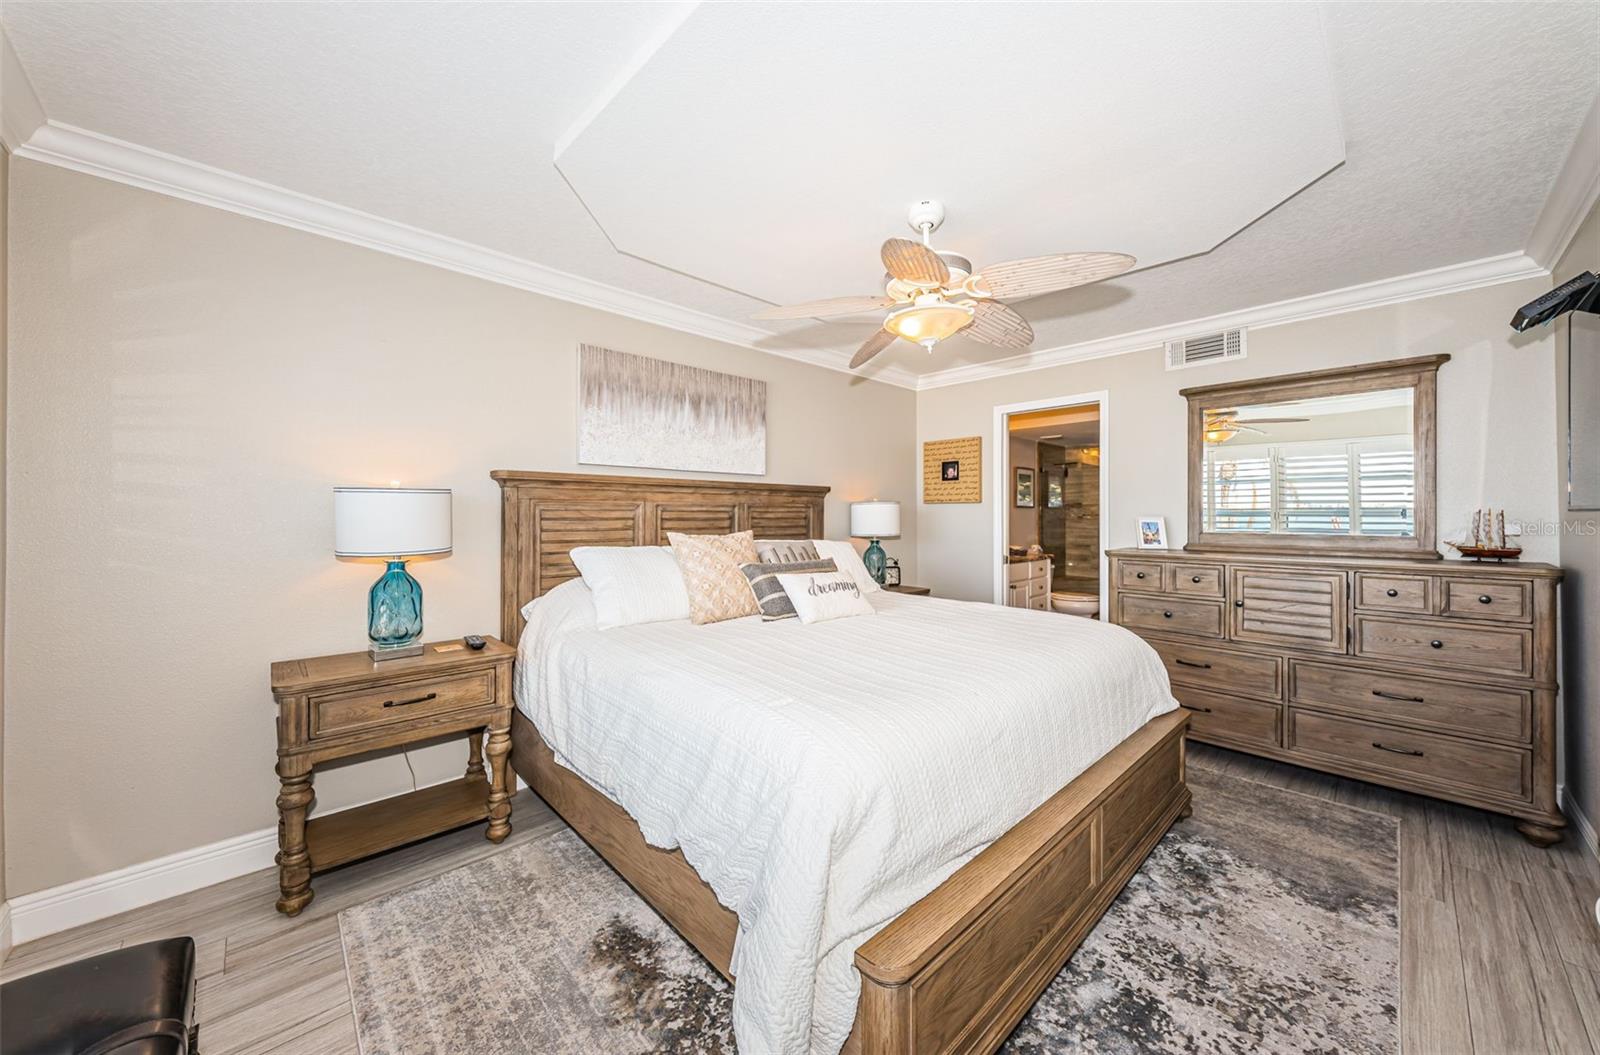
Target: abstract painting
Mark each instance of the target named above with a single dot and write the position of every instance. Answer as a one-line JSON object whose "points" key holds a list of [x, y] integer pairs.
{"points": [[649, 413]]}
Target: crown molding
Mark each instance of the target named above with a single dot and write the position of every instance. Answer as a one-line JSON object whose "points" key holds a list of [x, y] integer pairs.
{"points": [[1574, 193], [20, 112], [81, 150], [1452, 279]]}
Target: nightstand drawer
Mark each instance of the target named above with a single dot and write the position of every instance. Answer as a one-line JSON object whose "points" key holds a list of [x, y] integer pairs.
{"points": [[344, 712]]}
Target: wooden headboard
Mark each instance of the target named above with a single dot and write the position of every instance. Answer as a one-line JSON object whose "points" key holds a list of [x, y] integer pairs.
{"points": [[543, 516]]}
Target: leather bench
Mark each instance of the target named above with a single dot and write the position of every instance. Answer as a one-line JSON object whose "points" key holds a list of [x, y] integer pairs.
{"points": [[133, 1001]]}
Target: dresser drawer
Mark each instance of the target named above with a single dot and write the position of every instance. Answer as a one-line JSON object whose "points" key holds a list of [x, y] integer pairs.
{"points": [[1024, 570], [1508, 602], [344, 712], [1447, 646], [1473, 710], [1175, 615], [1140, 575], [1291, 609], [1197, 580], [1428, 758], [1039, 602], [1205, 667], [1213, 716], [1394, 593]]}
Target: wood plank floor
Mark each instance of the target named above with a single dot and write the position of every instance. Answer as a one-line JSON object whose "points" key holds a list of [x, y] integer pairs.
{"points": [[1500, 951]]}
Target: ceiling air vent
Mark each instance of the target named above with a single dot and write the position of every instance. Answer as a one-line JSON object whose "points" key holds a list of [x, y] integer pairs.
{"points": [[1204, 349]]}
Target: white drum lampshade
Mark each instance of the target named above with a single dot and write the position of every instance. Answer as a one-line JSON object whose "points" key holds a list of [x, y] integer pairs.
{"points": [[391, 522], [875, 519]]}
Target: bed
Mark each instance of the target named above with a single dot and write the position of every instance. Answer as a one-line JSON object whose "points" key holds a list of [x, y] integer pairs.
{"points": [[942, 952]]}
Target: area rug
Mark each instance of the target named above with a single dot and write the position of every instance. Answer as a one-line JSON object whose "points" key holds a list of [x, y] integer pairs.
{"points": [[1268, 921]]}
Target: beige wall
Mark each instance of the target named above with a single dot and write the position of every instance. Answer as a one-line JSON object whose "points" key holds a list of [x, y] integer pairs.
{"points": [[1496, 421], [187, 385], [1024, 530], [1580, 556]]}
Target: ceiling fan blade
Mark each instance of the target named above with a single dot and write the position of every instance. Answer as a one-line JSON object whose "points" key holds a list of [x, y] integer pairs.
{"points": [[914, 262], [871, 347], [1266, 421], [994, 323], [824, 309], [1046, 274]]}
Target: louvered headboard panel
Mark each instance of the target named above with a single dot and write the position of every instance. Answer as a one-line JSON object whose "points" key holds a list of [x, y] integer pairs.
{"points": [[543, 516]]}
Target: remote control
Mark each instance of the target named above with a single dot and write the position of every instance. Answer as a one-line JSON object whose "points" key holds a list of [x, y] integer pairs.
{"points": [[475, 642]]}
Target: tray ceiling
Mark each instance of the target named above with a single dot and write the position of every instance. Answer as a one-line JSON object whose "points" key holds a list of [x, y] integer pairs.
{"points": [[1042, 129], [714, 158]]}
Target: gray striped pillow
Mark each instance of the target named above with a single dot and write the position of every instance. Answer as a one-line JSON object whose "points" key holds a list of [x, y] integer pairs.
{"points": [[774, 603], [786, 551]]}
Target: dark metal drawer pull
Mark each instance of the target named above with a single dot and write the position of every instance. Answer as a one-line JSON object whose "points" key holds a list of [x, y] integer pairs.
{"points": [[407, 703], [1392, 592], [1484, 598], [1138, 575], [1396, 750], [1166, 615], [1397, 696], [1194, 578], [1196, 666], [1202, 710], [1436, 644], [1238, 604]]}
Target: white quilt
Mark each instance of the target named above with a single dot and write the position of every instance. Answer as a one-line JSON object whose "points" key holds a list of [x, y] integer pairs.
{"points": [[823, 778]]}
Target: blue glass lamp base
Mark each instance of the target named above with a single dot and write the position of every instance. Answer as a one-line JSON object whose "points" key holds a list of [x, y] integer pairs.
{"points": [[875, 560], [394, 614]]}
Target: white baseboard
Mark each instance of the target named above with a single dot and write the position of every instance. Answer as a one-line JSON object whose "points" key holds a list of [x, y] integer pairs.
{"points": [[1586, 832], [45, 912], [5, 930], [86, 900]]}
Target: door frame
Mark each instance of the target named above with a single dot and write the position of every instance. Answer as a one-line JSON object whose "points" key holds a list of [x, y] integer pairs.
{"points": [[1001, 473]]}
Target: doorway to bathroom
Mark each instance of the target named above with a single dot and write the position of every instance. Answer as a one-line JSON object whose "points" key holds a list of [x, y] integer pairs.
{"points": [[1051, 460]]}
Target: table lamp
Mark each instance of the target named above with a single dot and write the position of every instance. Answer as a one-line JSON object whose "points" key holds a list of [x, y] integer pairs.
{"points": [[392, 524], [875, 520]]}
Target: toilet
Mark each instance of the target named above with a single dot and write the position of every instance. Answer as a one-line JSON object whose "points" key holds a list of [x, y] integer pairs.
{"points": [[1070, 603]]}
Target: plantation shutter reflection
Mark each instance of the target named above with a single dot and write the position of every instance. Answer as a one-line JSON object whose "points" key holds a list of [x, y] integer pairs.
{"points": [[1365, 487]]}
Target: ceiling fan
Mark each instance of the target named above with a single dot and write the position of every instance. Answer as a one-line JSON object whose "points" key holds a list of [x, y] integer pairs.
{"points": [[933, 294], [1223, 425]]}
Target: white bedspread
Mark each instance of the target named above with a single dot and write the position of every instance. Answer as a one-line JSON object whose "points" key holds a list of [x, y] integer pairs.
{"points": [[823, 778]]}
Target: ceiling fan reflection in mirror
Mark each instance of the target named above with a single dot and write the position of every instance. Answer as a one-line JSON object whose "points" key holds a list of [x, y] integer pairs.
{"points": [[932, 295]]}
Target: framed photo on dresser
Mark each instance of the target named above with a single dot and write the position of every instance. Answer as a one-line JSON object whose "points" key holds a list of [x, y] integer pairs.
{"points": [[1152, 532]]}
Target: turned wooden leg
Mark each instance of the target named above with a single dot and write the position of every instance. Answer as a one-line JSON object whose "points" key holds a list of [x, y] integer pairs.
{"points": [[1541, 834], [475, 756], [294, 864], [1187, 811], [499, 749]]}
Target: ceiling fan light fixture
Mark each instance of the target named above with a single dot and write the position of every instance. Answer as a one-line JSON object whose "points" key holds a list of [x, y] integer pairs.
{"points": [[929, 321], [1218, 433]]}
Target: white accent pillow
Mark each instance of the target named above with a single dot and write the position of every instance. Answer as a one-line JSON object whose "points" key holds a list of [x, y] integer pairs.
{"points": [[822, 595], [632, 584], [845, 556]]}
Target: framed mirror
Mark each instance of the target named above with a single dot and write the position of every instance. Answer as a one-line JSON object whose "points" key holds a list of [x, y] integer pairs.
{"points": [[1334, 461]]}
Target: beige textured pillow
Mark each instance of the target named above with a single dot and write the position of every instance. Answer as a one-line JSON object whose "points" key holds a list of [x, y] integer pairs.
{"points": [[710, 564]]}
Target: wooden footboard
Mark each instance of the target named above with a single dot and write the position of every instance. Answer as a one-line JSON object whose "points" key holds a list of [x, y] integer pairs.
{"points": [[957, 970]]}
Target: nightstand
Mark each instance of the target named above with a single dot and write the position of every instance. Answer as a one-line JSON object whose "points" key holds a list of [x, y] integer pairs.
{"points": [[337, 707], [919, 591]]}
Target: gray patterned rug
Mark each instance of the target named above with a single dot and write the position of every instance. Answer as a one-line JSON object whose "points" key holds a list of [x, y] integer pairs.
{"points": [[1266, 922]]}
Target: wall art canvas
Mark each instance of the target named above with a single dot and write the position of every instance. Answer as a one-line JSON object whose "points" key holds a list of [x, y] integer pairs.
{"points": [[652, 414], [952, 470]]}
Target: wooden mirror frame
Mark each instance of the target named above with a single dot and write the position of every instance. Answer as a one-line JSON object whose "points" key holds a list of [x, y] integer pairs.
{"points": [[1419, 374]]}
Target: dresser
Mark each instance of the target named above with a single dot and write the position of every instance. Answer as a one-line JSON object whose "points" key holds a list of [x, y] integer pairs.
{"points": [[1028, 584], [1433, 676]]}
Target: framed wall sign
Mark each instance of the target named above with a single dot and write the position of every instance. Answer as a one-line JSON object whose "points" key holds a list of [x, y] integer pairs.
{"points": [[952, 470]]}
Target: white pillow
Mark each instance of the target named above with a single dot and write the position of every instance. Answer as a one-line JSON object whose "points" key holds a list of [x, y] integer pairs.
{"points": [[821, 595], [632, 584], [845, 556]]}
